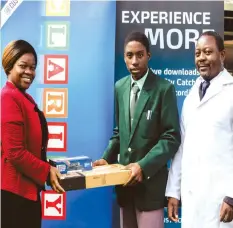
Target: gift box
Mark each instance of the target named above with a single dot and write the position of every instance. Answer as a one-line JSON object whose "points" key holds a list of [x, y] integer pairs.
{"points": [[99, 176]]}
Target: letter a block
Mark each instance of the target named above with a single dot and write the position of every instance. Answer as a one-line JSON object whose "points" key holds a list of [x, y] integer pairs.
{"points": [[56, 69]]}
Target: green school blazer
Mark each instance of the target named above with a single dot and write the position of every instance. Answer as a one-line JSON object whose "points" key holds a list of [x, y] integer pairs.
{"points": [[151, 142]]}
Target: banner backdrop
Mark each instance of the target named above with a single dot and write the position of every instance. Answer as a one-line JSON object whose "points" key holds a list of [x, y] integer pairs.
{"points": [[172, 28]]}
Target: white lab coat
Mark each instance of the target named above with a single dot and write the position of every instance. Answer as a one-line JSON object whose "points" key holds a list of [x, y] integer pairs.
{"points": [[202, 170]]}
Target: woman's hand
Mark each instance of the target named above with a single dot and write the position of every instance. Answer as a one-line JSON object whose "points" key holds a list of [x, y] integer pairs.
{"points": [[54, 177]]}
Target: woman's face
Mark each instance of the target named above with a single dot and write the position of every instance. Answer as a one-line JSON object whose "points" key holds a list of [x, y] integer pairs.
{"points": [[23, 72]]}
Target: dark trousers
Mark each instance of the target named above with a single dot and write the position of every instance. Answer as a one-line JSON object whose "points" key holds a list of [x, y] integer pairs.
{"points": [[17, 211]]}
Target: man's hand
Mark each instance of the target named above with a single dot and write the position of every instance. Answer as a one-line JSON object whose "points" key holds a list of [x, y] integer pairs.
{"points": [[136, 174], [173, 205], [54, 177], [226, 213], [99, 162]]}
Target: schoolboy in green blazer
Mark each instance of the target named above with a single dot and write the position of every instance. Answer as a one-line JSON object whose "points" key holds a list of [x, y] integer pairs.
{"points": [[146, 136]]}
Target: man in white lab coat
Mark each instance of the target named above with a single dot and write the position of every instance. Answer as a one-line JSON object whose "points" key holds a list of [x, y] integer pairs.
{"points": [[201, 173]]}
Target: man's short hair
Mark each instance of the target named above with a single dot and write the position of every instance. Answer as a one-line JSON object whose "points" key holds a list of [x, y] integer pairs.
{"points": [[139, 37], [218, 39]]}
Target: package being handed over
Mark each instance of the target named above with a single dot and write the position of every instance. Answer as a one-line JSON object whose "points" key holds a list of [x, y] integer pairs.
{"points": [[99, 176]]}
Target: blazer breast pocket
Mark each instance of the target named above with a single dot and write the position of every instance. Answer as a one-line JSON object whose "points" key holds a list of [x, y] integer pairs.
{"points": [[148, 124]]}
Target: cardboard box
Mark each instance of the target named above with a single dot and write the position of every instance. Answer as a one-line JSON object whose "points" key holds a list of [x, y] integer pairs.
{"points": [[99, 176], [72, 164]]}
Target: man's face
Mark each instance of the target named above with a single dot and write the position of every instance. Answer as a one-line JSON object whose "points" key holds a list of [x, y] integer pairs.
{"points": [[23, 72], [208, 59], [136, 58]]}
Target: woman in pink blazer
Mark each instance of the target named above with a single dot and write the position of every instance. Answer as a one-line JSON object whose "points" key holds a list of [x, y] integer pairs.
{"points": [[24, 137]]}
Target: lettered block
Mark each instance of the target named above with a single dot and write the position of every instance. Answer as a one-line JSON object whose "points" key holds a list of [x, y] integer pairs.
{"points": [[55, 103], [57, 35], [56, 69], [57, 136], [57, 7], [53, 205]]}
